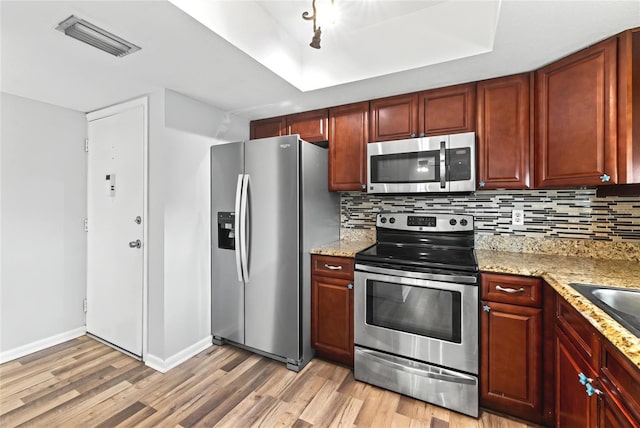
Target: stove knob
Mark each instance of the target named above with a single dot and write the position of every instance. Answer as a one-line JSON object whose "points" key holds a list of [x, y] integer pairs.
{"points": [[392, 220], [453, 222], [463, 222], [383, 220]]}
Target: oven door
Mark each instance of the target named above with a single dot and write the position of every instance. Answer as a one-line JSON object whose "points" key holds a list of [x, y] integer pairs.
{"points": [[428, 320]]}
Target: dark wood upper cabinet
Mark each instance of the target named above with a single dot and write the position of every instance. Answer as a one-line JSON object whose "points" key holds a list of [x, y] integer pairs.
{"points": [[348, 137], [503, 133], [576, 119], [311, 125], [272, 127], [449, 110], [629, 107], [394, 118]]}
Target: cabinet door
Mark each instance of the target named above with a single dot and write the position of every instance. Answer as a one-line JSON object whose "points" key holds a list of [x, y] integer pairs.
{"points": [[311, 125], [332, 318], [394, 118], [610, 415], [503, 133], [620, 384], [576, 119], [574, 408], [348, 137], [511, 359], [272, 127], [449, 110]]}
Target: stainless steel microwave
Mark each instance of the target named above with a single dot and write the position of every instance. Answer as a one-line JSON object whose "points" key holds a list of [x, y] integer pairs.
{"points": [[445, 163]]}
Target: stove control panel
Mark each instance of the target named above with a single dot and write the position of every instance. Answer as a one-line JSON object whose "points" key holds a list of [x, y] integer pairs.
{"points": [[425, 222], [415, 220]]}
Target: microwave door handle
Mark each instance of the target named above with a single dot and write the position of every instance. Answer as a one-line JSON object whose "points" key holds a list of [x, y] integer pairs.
{"points": [[443, 165], [455, 378]]}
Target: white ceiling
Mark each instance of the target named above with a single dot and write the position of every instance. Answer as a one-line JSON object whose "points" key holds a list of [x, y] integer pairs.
{"points": [[391, 47], [368, 39]]}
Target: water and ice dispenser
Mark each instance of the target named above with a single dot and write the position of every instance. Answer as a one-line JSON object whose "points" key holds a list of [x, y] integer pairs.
{"points": [[226, 230]]}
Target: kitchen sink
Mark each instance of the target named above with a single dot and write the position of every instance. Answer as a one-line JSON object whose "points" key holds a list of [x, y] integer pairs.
{"points": [[622, 304]]}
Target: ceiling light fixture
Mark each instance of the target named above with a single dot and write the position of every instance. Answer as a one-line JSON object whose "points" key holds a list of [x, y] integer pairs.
{"points": [[95, 36], [315, 41]]}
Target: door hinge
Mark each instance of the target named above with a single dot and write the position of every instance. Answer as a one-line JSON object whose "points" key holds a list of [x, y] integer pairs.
{"points": [[86, 224], [86, 145], [84, 305]]}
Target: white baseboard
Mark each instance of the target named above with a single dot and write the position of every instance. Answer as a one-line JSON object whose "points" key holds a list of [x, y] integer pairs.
{"points": [[41, 344], [175, 360]]}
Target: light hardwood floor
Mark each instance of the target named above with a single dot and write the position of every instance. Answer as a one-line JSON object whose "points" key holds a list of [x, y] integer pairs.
{"points": [[84, 383]]}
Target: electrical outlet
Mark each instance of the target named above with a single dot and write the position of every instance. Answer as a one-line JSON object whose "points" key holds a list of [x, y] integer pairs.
{"points": [[517, 217]]}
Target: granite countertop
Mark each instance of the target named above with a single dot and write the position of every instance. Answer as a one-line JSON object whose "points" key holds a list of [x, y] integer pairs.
{"points": [[343, 247], [559, 271]]}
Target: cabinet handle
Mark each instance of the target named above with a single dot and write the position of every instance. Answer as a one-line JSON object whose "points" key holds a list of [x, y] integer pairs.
{"points": [[486, 308], [364, 186], [330, 267], [413, 135], [422, 134], [591, 390], [605, 178], [481, 184], [510, 290], [350, 286], [583, 379]]}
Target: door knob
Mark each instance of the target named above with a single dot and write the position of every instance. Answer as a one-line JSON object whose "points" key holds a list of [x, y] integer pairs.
{"points": [[135, 244]]}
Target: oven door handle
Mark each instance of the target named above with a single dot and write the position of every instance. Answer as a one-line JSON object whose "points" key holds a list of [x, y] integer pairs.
{"points": [[453, 377], [460, 279]]}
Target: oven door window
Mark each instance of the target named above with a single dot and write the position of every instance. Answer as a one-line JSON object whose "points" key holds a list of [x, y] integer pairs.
{"points": [[412, 167], [429, 312]]}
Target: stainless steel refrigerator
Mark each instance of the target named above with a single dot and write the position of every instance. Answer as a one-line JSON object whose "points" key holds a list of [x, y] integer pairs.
{"points": [[269, 205]]}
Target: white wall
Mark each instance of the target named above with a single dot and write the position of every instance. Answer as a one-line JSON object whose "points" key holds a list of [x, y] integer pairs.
{"points": [[43, 243], [179, 223], [43, 206]]}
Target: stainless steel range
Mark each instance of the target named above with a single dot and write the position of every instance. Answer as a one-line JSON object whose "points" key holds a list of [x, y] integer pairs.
{"points": [[416, 309]]}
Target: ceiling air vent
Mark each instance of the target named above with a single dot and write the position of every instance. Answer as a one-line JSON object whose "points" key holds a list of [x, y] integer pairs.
{"points": [[95, 36]]}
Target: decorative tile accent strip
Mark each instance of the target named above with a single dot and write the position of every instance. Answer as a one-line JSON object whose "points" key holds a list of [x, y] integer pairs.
{"points": [[573, 214]]}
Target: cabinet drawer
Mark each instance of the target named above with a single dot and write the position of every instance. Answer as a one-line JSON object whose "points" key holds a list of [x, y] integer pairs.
{"points": [[578, 329], [337, 267], [516, 290]]}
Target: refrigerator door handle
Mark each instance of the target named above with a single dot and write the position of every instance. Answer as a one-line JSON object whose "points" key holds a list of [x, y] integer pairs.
{"points": [[244, 240], [237, 238]]}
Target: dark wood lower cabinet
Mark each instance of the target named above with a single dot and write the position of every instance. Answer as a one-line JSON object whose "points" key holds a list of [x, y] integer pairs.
{"points": [[512, 359], [332, 308], [612, 416], [512, 335], [574, 408], [595, 386]]}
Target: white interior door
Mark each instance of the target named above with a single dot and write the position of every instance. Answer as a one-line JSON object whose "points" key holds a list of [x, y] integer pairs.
{"points": [[116, 224]]}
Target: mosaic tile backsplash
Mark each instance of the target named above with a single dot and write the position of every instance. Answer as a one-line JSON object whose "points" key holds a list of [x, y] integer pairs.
{"points": [[574, 214]]}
